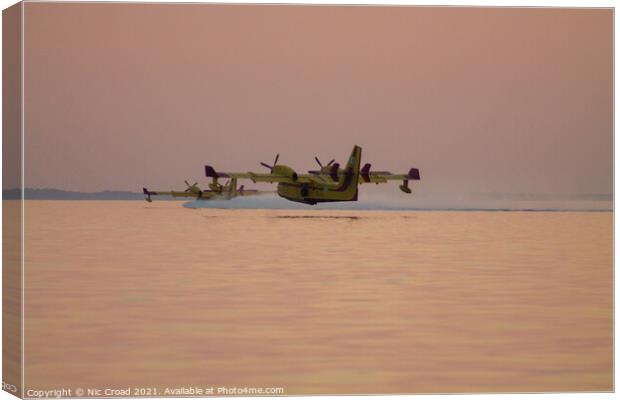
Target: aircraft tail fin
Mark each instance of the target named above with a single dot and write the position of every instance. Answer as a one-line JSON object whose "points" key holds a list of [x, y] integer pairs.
{"points": [[211, 173], [355, 159], [148, 194], [365, 172], [414, 174], [351, 173]]}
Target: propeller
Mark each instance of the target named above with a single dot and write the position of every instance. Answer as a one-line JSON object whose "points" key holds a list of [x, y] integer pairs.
{"points": [[189, 187], [275, 162], [321, 165]]}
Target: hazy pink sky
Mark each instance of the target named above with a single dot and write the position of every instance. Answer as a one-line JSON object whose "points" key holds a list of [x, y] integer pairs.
{"points": [[120, 96]]}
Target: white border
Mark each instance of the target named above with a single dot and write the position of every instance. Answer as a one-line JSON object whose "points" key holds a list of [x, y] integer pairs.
{"points": [[23, 207], [464, 3]]}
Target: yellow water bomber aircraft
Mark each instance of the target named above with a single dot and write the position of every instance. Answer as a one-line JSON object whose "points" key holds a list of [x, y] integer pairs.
{"points": [[330, 184], [217, 191]]}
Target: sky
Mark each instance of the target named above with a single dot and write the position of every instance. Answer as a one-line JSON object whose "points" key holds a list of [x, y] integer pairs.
{"points": [[481, 100]]}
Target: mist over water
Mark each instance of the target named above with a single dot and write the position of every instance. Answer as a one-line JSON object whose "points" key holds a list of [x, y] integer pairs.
{"points": [[395, 200]]}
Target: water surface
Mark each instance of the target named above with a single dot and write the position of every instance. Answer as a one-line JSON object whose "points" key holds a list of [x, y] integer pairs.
{"points": [[122, 294]]}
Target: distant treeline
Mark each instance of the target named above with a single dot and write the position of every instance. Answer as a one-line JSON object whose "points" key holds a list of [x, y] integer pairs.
{"points": [[56, 194]]}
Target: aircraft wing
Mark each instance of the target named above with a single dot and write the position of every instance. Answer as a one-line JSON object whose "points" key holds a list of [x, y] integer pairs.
{"points": [[263, 177], [384, 176], [301, 178], [205, 195], [254, 176]]}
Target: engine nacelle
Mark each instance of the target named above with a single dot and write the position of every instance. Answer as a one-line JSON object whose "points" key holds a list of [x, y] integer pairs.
{"points": [[283, 170], [215, 186]]}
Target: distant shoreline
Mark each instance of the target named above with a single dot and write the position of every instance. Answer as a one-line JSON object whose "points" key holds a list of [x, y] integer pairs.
{"points": [[57, 194]]}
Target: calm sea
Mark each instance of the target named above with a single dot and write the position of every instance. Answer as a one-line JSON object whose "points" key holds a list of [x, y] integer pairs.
{"points": [[130, 294]]}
